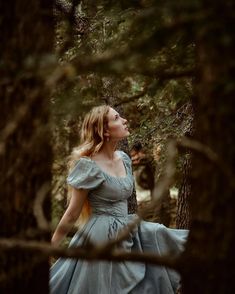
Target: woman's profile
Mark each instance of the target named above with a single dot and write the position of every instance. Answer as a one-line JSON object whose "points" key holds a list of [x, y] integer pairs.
{"points": [[100, 182]]}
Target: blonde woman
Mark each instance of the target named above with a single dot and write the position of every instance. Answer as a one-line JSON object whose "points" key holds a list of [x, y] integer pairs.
{"points": [[100, 183]]}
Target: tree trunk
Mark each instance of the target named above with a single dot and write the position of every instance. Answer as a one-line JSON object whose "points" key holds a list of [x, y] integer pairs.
{"points": [[210, 248], [183, 215], [183, 212], [25, 152]]}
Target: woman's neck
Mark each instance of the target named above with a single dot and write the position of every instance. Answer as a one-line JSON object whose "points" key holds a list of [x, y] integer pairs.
{"points": [[107, 152]]}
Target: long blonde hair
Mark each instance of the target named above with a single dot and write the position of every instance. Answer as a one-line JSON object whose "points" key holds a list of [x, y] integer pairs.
{"points": [[91, 140]]}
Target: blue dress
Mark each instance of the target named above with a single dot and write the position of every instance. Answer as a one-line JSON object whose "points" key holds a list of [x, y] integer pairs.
{"points": [[108, 198]]}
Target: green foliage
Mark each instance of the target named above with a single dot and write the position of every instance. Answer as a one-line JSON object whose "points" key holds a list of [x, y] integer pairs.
{"points": [[143, 46]]}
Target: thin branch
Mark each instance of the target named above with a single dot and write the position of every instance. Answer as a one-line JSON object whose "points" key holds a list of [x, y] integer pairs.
{"points": [[208, 153], [38, 207], [132, 98], [97, 253], [106, 63], [168, 178], [160, 75]]}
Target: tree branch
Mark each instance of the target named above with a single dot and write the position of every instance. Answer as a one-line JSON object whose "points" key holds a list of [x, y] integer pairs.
{"points": [[167, 180], [161, 75], [208, 153], [38, 207], [98, 253], [132, 98]]}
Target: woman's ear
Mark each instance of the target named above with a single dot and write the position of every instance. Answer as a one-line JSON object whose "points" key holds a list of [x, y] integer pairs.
{"points": [[106, 131], [106, 134]]}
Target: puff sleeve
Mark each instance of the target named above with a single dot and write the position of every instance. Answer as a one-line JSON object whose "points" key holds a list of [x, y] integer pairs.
{"points": [[85, 175]]}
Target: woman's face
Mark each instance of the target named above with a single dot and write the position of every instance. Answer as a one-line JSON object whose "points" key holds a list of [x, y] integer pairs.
{"points": [[117, 126]]}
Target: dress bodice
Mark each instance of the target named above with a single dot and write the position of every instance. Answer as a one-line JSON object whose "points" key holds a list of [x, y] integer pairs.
{"points": [[107, 194]]}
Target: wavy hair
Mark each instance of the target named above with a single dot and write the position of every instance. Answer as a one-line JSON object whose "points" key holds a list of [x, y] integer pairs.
{"points": [[91, 140]]}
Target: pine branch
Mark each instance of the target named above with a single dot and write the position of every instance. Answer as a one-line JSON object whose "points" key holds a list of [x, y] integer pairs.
{"points": [[67, 9]]}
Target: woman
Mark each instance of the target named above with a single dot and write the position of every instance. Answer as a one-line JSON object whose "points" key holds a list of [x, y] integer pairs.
{"points": [[101, 182]]}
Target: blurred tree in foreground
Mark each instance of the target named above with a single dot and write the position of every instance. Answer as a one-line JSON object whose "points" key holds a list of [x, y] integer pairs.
{"points": [[25, 153], [211, 242]]}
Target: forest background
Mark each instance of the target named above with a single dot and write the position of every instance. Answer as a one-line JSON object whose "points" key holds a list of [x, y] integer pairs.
{"points": [[168, 67]]}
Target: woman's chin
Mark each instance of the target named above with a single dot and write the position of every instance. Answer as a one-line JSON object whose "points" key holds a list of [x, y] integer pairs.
{"points": [[127, 134]]}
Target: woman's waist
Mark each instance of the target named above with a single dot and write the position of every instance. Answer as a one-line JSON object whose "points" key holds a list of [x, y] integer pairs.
{"points": [[109, 213], [114, 209]]}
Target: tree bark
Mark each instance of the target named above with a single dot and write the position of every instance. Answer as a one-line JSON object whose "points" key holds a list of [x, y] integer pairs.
{"points": [[183, 211], [25, 152], [209, 256]]}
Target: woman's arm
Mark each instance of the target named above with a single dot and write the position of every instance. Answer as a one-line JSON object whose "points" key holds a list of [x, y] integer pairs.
{"points": [[70, 216]]}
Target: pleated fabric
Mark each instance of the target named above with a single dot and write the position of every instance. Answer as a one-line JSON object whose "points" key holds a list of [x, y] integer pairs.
{"points": [[108, 198]]}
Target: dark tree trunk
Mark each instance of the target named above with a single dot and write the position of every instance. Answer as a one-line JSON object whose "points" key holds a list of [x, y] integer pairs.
{"points": [[183, 212], [210, 248], [183, 215], [25, 153]]}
